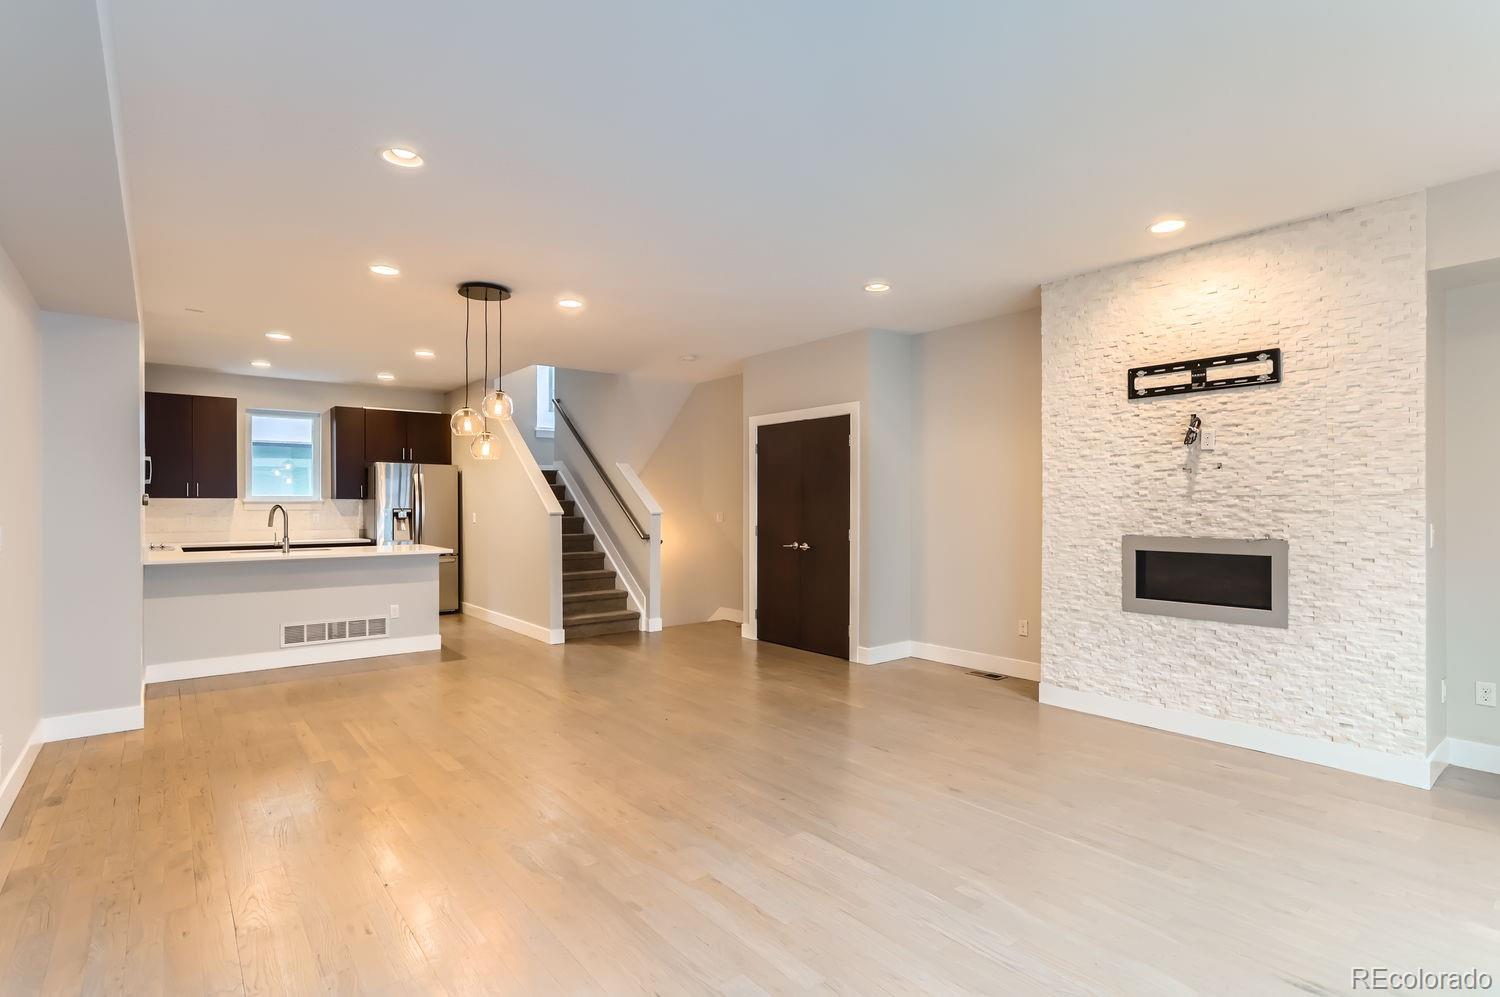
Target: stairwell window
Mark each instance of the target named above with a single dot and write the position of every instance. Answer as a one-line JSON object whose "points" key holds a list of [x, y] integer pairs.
{"points": [[283, 453], [546, 389]]}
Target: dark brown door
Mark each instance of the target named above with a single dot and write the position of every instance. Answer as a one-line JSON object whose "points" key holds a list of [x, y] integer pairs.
{"points": [[428, 438], [348, 461], [385, 435], [802, 543], [215, 447], [169, 444]]}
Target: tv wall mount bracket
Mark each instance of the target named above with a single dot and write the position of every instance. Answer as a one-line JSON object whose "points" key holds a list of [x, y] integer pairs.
{"points": [[1184, 377]]}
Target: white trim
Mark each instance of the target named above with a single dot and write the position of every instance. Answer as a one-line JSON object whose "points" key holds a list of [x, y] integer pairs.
{"points": [[11, 783], [1437, 760], [979, 661], [725, 613], [1474, 755], [522, 627], [1413, 770], [881, 653], [290, 657], [633, 593], [653, 625], [851, 409], [66, 728], [530, 467], [316, 418]]}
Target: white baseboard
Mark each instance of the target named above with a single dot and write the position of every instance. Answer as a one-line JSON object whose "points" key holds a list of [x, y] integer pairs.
{"points": [[1413, 770], [881, 653], [747, 631], [1471, 755], [12, 780], [72, 725], [725, 613], [533, 630], [652, 625], [290, 657], [979, 661]]}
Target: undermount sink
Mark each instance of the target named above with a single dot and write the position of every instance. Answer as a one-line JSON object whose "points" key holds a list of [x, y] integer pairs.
{"points": [[261, 548]]}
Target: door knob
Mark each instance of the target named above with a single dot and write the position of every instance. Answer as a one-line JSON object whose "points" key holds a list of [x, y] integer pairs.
{"points": [[804, 545], [790, 546]]}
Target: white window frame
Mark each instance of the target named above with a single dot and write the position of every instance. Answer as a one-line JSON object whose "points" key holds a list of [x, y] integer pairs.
{"points": [[546, 388], [316, 418]]}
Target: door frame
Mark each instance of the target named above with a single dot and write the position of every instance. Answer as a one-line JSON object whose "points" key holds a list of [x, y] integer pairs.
{"points": [[752, 473]]}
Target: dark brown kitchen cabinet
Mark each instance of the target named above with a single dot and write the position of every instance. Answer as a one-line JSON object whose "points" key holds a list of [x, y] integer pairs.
{"points": [[192, 448], [348, 436], [414, 437]]}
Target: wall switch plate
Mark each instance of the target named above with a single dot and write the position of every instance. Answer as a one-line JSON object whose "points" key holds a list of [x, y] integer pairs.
{"points": [[395, 611], [1484, 693], [1431, 535], [1021, 628], [1443, 685], [718, 517], [473, 517]]}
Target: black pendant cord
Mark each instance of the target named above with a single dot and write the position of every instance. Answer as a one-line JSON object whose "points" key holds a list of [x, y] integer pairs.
{"points": [[486, 374], [500, 346], [468, 311]]}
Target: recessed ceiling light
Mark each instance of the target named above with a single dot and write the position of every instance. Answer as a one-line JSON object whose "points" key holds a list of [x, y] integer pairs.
{"points": [[877, 287], [386, 376], [1167, 226], [279, 337], [688, 357], [398, 156], [260, 363], [570, 304], [384, 269], [424, 354]]}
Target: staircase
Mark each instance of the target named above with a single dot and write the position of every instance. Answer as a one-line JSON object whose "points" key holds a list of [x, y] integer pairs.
{"points": [[592, 604]]}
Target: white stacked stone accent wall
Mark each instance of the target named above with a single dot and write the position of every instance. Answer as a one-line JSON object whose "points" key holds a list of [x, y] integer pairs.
{"points": [[1332, 460]]}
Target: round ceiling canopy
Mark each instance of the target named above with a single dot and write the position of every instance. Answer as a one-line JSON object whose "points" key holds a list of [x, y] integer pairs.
{"points": [[483, 290]]}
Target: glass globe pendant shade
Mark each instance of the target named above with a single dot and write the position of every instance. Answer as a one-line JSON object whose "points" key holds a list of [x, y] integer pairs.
{"points": [[497, 405], [466, 422], [485, 447]]}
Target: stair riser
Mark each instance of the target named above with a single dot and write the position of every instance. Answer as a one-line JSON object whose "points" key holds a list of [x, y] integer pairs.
{"points": [[588, 584], [606, 602], [560, 491], [583, 561], [567, 507], [551, 477], [576, 542], [572, 524], [600, 629]]}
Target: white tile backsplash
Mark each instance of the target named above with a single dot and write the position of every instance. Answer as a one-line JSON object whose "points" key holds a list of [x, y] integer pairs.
{"points": [[169, 520]]}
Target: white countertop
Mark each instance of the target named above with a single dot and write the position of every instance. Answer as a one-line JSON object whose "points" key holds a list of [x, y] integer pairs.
{"points": [[175, 555]]}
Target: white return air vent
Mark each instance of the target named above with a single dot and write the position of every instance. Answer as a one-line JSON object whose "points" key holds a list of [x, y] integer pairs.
{"points": [[332, 631]]}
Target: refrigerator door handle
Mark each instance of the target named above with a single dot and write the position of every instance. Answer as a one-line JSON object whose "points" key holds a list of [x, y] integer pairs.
{"points": [[419, 500]]}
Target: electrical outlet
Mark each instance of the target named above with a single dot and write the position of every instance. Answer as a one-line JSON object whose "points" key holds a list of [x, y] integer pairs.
{"points": [[1021, 628], [1210, 440], [1484, 693], [395, 611]]}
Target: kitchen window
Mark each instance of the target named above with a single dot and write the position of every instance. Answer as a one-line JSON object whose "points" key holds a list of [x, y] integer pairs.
{"points": [[283, 451]]}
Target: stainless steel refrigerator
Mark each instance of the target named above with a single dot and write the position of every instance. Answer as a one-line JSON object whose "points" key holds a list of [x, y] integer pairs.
{"points": [[418, 503]]}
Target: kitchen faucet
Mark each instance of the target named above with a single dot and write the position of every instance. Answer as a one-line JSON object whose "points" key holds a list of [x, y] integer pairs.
{"points": [[286, 527]]}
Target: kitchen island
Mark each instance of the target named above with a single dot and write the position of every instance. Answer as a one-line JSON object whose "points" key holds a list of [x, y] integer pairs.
{"points": [[217, 610]]}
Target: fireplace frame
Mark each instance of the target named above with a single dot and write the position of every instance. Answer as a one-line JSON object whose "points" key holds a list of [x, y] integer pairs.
{"points": [[1276, 550]]}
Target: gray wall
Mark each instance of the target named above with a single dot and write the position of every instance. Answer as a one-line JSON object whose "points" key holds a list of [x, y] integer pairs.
{"points": [[977, 477], [1437, 514], [91, 477], [697, 476], [1472, 480], [20, 521]]}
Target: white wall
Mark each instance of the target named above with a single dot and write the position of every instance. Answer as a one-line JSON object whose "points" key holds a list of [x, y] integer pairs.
{"points": [[1472, 487], [91, 481], [168, 518], [1463, 221], [511, 536], [20, 530], [977, 479], [1332, 460], [696, 475]]}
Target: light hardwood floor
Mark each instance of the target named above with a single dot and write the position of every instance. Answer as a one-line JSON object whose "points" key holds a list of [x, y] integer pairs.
{"points": [[687, 812]]}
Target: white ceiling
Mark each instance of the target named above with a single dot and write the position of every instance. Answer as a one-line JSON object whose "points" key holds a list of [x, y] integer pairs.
{"points": [[720, 179], [62, 214]]}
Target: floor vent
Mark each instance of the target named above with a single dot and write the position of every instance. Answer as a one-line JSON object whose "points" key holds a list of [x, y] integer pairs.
{"points": [[332, 631], [992, 676]]}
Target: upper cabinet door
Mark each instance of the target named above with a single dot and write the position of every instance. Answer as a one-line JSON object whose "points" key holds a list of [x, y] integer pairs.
{"points": [[348, 459], [169, 445], [385, 435], [215, 447], [428, 438]]}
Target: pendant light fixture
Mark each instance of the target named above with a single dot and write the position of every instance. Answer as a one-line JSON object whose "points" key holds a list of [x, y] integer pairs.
{"points": [[466, 421], [496, 404], [484, 446]]}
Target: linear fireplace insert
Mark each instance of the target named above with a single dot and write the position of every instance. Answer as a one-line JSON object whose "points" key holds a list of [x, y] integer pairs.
{"points": [[1230, 581]]}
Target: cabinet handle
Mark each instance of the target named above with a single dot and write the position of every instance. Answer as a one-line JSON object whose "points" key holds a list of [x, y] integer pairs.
{"points": [[187, 490], [361, 491], [197, 489]]}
